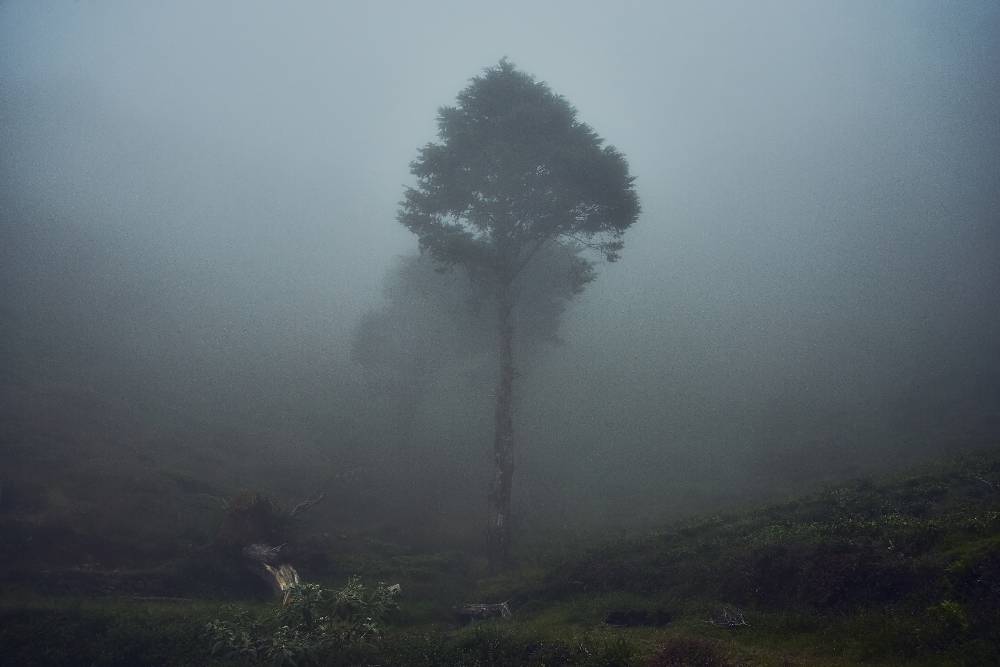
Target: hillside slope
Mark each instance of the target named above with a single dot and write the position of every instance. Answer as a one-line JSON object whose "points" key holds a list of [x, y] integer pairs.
{"points": [[904, 570]]}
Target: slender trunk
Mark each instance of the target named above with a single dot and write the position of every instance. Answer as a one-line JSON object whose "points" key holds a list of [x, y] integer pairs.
{"points": [[498, 532]]}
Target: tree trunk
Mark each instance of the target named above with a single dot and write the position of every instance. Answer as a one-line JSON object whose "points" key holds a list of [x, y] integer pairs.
{"points": [[498, 532]]}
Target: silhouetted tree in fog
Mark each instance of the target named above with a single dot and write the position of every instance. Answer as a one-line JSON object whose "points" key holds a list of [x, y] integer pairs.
{"points": [[428, 321], [433, 319], [514, 172]]}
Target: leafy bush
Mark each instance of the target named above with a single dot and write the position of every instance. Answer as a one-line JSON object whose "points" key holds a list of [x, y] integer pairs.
{"points": [[947, 624], [315, 625]]}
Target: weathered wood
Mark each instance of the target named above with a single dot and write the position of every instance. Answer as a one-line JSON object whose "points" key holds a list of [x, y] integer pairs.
{"points": [[284, 577], [263, 560], [253, 522]]}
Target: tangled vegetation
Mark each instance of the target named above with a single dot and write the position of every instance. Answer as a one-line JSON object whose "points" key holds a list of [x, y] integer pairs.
{"points": [[315, 625]]}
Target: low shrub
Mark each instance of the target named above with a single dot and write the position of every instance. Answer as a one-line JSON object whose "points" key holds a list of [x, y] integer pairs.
{"points": [[315, 626]]}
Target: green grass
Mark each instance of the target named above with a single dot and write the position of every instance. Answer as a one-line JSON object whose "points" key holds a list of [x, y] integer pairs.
{"points": [[104, 631], [902, 571], [898, 571]]}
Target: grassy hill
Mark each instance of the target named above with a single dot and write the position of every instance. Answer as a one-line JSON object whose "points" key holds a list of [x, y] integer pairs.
{"points": [[899, 570], [902, 570]]}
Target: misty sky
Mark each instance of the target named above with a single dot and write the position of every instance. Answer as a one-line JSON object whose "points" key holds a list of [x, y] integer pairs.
{"points": [[820, 182]]}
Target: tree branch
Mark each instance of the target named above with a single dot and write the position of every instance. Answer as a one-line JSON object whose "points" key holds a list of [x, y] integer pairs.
{"points": [[306, 505], [531, 253]]}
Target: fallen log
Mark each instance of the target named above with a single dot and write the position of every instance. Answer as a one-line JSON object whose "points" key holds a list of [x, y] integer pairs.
{"points": [[253, 523], [263, 561], [284, 577]]}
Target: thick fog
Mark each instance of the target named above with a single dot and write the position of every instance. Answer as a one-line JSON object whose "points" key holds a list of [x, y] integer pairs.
{"points": [[199, 209]]}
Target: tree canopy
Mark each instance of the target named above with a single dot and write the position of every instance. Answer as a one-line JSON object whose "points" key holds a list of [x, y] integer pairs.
{"points": [[514, 170]]}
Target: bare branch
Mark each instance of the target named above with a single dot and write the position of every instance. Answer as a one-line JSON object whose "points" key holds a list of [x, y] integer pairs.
{"points": [[307, 505]]}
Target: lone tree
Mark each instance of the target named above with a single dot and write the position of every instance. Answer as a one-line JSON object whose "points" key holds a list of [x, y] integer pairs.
{"points": [[515, 171]]}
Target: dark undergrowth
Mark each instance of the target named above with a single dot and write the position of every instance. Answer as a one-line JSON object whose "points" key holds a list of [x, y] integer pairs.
{"points": [[897, 571], [104, 631]]}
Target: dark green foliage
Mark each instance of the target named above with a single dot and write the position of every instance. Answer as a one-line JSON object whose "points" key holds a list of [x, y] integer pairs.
{"points": [[856, 544], [126, 634], [917, 559], [516, 169], [315, 626], [494, 645], [816, 579]]}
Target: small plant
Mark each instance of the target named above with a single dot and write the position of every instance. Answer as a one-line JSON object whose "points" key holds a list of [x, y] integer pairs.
{"points": [[314, 624], [946, 625]]}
